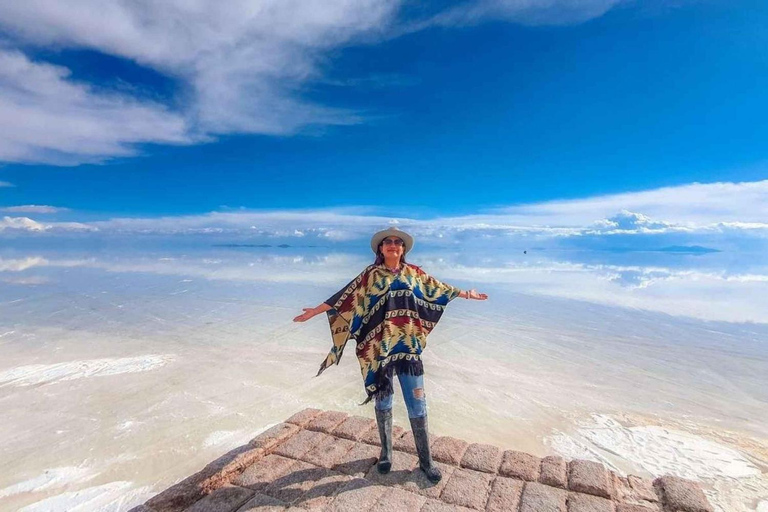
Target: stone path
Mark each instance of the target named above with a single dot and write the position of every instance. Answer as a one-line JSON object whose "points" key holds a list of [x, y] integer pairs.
{"points": [[326, 460]]}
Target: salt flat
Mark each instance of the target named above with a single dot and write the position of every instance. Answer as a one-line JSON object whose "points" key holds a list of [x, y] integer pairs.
{"points": [[122, 373]]}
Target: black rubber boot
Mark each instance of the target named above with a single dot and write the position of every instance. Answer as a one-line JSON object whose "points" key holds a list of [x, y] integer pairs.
{"points": [[421, 438], [384, 421]]}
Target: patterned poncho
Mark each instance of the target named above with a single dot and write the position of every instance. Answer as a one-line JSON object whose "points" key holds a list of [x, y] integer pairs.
{"points": [[389, 314]]}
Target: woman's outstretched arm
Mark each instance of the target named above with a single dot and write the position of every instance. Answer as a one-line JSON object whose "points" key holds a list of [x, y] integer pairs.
{"points": [[310, 312], [473, 294]]}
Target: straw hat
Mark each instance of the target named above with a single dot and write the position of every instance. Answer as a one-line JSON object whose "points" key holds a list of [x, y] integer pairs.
{"points": [[381, 235]]}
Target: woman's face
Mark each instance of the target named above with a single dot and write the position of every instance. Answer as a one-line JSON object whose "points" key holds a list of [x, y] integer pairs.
{"points": [[392, 247]]}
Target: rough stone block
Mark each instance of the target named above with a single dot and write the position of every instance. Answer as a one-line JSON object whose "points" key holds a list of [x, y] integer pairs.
{"points": [[681, 495], [449, 450], [467, 488], [356, 495], [271, 437], [226, 499], [554, 471], [262, 503], [642, 489], [357, 461], [402, 465], [320, 493], [299, 444], [590, 478], [181, 495], [400, 500], [646, 507], [141, 508], [439, 506], [355, 427], [372, 437], [578, 502], [505, 495], [296, 481], [326, 421], [329, 452], [261, 473], [302, 418], [482, 457], [538, 497], [418, 483], [520, 465]]}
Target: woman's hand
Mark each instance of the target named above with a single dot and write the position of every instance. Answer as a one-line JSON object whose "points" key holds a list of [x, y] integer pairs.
{"points": [[473, 294], [306, 315], [310, 312]]}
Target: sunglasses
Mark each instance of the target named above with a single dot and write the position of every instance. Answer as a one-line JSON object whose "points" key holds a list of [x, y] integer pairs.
{"points": [[390, 241]]}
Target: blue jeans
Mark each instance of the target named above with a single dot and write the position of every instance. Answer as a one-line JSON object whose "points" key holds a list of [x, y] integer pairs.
{"points": [[413, 394]]}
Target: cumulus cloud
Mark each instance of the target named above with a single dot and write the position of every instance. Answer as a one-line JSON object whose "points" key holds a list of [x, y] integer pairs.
{"points": [[33, 208], [25, 224]]}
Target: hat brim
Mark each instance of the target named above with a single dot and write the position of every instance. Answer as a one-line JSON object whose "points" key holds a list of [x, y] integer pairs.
{"points": [[381, 235]]}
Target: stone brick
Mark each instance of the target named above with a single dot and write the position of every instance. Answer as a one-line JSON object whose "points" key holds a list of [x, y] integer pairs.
{"points": [[439, 506], [505, 495], [181, 495], [296, 481], [449, 450], [356, 495], [622, 491], [538, 497], [578, 502], [681, 495], [642, 489], [522, 466], [467, 488], [261, 473], [355, 427], [320, 493], [402, 465], [400, 500], [262, 503], [226, 499], [590, 478], [554, 471], [372, 437], [299, 444], [328, 453], [418, 483], [271, 437], [326, 421], [482, 457], [357, 461], [646, 507], [302, 418]]}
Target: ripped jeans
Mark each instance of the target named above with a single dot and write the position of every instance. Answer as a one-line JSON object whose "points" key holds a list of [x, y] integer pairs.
{"points": [[413, 394]]}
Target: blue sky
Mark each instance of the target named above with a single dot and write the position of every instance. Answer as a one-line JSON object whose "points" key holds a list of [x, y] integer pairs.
{"points": [[400, 110]]}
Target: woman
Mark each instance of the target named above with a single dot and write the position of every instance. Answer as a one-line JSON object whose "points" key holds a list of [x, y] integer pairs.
{"points": [[389, 309]]}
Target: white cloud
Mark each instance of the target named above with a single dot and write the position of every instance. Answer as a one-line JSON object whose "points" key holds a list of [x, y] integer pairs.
{"points": [[692, 205], [528, 12], [717, 210], [45, 117], [243, 65], [33, 208], [6, 184], [25, 224]]}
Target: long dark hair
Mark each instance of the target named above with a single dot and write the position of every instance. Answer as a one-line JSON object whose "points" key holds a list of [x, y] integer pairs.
{"points": [[380, 256]]}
